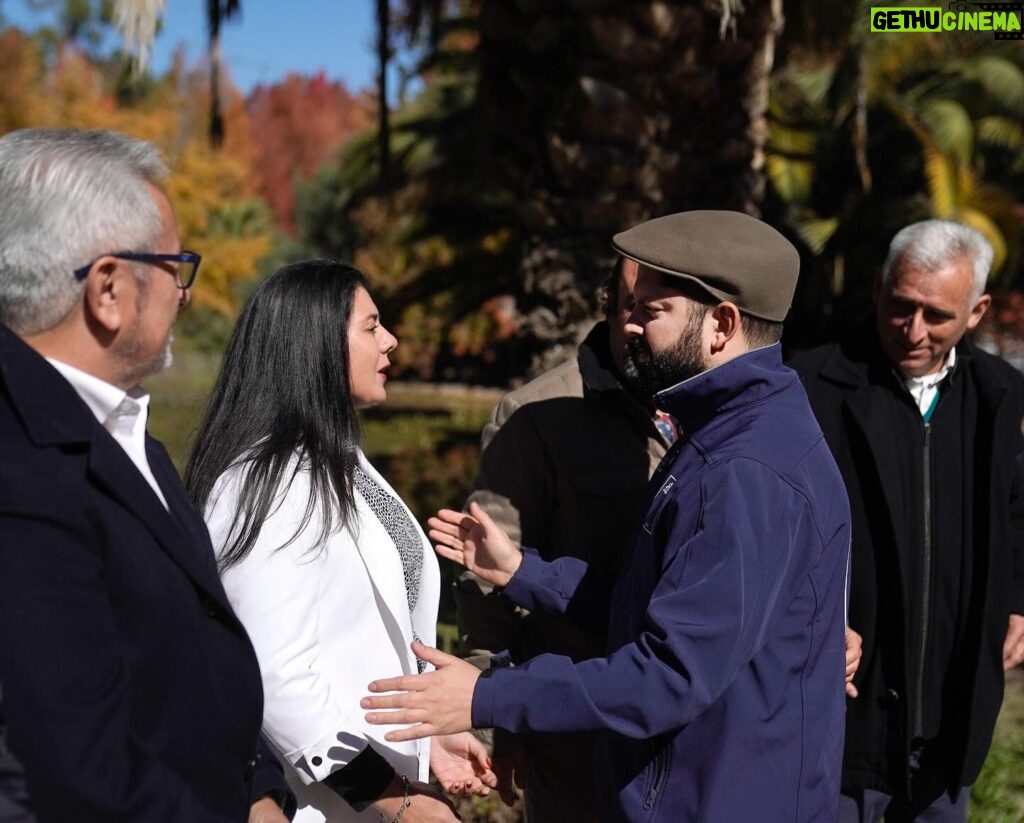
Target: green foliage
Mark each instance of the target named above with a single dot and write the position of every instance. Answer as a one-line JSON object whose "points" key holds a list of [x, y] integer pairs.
{"points": [[887, 130], [437, 241], [998, 794]]}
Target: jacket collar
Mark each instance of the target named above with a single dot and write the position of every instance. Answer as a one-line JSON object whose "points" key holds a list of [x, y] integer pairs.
{"points": [[36, 389], [594, 357], [860, 360], [749, 378], [53, 414]]}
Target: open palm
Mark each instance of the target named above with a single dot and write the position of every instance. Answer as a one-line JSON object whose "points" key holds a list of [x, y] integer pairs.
{"points": [[476, 542], [460, 764]]}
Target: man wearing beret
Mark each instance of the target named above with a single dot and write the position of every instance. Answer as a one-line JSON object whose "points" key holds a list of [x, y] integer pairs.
{"points": [[721, 696], [926, 430]]}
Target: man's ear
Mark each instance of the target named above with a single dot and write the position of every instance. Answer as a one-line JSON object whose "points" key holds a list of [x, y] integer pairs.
{"points": [[109, 292], [727, 321], [978, 311]]}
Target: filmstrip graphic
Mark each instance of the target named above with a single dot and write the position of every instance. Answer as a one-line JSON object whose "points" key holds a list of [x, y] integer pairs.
{"points": [[1017, 8]]}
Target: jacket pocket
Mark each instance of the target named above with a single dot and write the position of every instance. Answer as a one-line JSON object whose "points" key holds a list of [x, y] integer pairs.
{"points": [[659, 769]]}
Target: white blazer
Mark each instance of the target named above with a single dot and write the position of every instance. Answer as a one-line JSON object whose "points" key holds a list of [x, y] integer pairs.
{"points": [[325, 621]]}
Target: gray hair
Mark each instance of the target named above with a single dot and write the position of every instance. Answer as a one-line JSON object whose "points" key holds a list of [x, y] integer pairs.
{"points": [[931, 244], [67, 197]]}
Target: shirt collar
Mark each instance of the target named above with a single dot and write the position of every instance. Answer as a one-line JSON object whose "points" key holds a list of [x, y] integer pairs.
{"points": [[106, 401], [929, 381]]}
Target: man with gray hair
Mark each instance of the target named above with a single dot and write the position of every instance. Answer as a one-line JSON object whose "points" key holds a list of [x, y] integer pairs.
{"points": [[926, 429], [130, 690]]}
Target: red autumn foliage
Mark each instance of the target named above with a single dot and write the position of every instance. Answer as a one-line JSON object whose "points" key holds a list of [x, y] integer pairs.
{"points": [[297, 125]]}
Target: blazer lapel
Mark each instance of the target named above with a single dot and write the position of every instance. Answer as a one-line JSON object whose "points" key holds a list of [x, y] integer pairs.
{"points": [[185, 514], [113, 471], [383, 565], [54, 415]]}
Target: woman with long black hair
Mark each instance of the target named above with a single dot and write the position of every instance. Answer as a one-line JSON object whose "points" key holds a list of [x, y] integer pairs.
{"points": [[325, 566]]}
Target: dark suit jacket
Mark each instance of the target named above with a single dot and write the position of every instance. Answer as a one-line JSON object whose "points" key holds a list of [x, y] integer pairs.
{"points": [[14, 804], [855, 394], [131, 691]]}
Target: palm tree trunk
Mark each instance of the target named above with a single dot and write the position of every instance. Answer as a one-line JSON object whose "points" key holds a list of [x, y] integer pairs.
{"points": [[383, 114], [602, 118]]}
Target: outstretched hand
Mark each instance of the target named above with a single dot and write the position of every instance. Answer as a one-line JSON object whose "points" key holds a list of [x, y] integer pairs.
{"points": [[437, 702], [476, 542], [461, 765]]}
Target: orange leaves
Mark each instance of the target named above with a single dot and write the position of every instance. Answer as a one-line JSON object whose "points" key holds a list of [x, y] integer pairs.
{"points": [[213, 192]]}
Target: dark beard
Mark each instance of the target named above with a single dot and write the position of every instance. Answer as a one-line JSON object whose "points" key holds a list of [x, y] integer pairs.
{"points": [[654, 372]]}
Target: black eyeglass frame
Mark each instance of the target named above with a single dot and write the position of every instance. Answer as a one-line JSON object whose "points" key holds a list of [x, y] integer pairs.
{"points": [[184, 257]]}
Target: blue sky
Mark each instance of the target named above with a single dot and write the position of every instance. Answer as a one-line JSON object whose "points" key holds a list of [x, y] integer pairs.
{"points": [[270, 39]]}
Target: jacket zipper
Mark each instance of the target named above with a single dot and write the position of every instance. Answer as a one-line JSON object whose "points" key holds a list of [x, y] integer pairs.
{"points": [[926, 583], [658, 780]]}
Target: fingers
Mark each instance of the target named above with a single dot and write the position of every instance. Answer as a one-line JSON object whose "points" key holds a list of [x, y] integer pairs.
{"points": [[851, 691], [434, 656], [450, 521], [482, 517], [417, 732], [1013, 647], [445, 533], [478, 754], [463, 785], [455, 555], [394, 700], [405, 683]]}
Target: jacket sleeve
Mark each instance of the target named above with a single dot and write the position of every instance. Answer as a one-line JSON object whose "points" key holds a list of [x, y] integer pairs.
{"points": [[67, 700], [514, 485], [268, 780], [275, 591], [1017, 528], [723, 584]]}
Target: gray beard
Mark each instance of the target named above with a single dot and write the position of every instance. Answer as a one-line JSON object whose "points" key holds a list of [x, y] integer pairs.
{"points": [[136, 370]]}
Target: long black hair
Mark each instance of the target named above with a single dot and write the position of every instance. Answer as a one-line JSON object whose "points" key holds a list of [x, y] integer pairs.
{"points": [[283, 392]]}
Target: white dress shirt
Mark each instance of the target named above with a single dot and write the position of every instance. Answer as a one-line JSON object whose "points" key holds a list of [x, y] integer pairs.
{"points": [[122, 413], [923, 389]]}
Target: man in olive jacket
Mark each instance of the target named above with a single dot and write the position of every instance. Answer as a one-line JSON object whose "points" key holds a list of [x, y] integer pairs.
{"points": [[926, 430]]}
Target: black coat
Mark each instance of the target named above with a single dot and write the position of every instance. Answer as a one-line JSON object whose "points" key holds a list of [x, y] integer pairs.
{"points": [[852, 388], [130, 690]]}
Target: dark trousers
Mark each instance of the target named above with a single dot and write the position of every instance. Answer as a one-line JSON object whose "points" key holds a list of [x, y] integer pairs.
{"points": [[930, 801]]}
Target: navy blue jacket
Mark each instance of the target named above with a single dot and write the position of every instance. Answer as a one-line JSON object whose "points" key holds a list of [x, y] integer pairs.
{"points": [[721, 697], [130, 690]]}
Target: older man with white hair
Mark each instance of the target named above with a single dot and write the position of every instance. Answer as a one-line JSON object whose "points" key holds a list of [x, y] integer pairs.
{"points": [[130, 690], [926, 429]]}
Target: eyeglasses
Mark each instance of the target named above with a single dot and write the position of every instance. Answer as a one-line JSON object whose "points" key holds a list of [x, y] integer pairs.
{"points": [[185, 273]]}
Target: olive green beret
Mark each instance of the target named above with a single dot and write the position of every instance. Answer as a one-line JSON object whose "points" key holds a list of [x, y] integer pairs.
{"points": [[731, 255]]}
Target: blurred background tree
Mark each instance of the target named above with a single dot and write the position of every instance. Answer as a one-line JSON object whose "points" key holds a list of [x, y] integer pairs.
{"points": [[871, 132], [480, 193], [522, 135]]}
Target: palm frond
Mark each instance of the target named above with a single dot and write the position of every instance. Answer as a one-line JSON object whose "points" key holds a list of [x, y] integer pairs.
{"points": [[1001, 81], [137, 21], [950, 127], [983, 223], [1000, 131]]}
